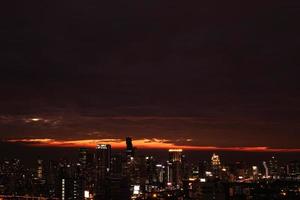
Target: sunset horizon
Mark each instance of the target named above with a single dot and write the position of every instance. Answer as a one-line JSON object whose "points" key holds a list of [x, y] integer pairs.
{"points": [[153, 143]]}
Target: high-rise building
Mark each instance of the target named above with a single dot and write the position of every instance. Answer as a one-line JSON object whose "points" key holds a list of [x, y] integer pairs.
{"points": [[83, 157], [169, 173], [103, 167], [216, 165], [52, 178], [255, 172], [175, 169], [266, 169], [40, 169], [215, 160], [273, 168], [69, 186], [175, 155], [160, 172], [116, 165], [293, 168], [103, 156], [129, 147]]}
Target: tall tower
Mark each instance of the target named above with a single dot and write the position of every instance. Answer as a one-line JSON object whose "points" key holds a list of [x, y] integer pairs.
{"points": [[103, 155], [129, 147], [83, 157], [273, 168], [116, 165], [175, 167], [216, 165], [266, 169], [215, 160], [39, 171], [103, 167]]}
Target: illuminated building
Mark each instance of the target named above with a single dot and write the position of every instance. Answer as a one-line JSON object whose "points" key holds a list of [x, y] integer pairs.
{"points": [[83, 157], [169, 173], [150, 172], [175, 155], [174, 167], [69, 183], [255, 172], [266, 169], [273, 168], [40, 169], [216, 165], [160, 172], [63, 189], [215, 160], [293, 169]]}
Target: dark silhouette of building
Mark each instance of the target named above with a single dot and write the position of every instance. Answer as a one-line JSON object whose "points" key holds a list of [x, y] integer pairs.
{"points": [[103, 167], [129, 147]]}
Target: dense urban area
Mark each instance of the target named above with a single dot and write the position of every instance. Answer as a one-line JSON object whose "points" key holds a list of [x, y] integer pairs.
{"points": [[100, 174]]}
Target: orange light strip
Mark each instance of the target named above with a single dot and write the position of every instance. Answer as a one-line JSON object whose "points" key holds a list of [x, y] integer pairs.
{"points": [[142, 144]]}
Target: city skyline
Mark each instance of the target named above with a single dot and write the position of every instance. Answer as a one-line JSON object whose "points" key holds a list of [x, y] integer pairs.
{"points": [[150, 100], [103, 174]]}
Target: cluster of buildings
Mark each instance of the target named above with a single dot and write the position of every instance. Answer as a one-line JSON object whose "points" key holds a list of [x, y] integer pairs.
{"points": [[101, 174]]}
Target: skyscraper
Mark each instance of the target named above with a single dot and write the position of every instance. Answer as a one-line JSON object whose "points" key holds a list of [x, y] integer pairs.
{"points": [[40, 169], [83, 157], [273, 168], [175, 167], [215, 160], [116, 165], [175, 155], [103, 167], [103, 156], [266, 169], [129, 147], [216, 165]]}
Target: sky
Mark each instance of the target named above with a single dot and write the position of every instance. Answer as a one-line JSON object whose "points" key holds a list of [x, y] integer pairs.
{"points": [[196, 75]]}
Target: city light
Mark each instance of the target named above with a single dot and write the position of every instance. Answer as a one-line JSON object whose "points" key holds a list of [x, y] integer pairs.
{"points": [[35, 119], [175, 150], [101, 173], [86, 194]]}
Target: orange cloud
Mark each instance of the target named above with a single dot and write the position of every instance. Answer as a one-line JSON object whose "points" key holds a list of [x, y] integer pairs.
{"points": [[153, 143]]}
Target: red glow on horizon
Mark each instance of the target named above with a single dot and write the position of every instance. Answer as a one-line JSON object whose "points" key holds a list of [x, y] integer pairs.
{"points": [[141, 144]]}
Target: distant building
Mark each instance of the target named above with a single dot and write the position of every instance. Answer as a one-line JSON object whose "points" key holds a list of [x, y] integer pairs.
{"points": [[175, 155], [129, 147], [83, 157], [293, 168], [116, 165], [39, 172], [103, 167], [215, 160], [175, 167], [255, 172], [273, 168], [266, 169], [103, 159], [216, 165], [69, 183]]}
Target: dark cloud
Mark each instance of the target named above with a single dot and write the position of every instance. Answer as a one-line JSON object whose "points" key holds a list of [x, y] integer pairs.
{"points": [[219, 73]]}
